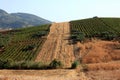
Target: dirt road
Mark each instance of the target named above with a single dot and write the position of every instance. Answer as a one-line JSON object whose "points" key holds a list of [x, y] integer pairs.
{"points": [[56, 45], [41, 75]]}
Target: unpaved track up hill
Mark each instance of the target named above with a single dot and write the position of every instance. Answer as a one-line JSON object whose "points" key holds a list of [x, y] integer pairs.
{"points": [[57, 45]]}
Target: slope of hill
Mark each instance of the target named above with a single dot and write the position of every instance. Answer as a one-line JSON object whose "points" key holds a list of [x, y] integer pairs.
{"points": [[56, 45], [113, 22], [95, 54], [96, 26], [22, 44], [97, 46], [19, 20]]}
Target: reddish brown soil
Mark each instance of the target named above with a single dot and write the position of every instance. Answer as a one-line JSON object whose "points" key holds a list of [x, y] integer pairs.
{"points": [[98, 51], [102, 59], [104, 66]]}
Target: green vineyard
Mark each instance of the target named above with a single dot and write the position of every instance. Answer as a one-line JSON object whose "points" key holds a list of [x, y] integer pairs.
{"points": [[22, 44], [106, 28]]}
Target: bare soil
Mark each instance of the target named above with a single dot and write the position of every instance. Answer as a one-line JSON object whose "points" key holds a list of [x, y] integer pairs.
{"points": [[41, 75], [104, 75], [57, 45], [97, 51], [102, 59]]}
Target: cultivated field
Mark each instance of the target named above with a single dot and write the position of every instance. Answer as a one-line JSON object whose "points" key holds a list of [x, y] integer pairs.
{"points": [[22, 44]]}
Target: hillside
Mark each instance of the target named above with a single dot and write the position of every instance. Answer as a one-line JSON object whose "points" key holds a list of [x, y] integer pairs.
{"points": [[93, 42], [97, 46], [56, 45], [61, 40], [19, 20], [22, 44], [96, 26]]}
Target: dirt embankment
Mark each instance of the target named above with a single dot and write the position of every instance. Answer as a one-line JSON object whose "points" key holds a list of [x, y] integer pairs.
{"points": [[56, 45], [104, 75], [102, 59], [100, 55]]}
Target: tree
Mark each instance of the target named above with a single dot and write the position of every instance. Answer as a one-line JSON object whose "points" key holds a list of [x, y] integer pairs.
{"points": [[55, 64], [74, 64]]}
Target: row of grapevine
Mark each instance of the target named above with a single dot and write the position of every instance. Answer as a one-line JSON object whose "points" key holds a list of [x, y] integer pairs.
{"points": [[93, 27], [113, 22], [22, 46]]}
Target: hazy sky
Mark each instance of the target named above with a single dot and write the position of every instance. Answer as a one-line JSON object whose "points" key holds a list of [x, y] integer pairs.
{"points": [[64, 10]]}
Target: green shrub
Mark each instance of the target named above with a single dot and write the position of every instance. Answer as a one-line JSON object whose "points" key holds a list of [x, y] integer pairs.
{"points": [[80, 37], [74, 65], [1, 45], [55, 64], [1, 64], [28, 48], [39, 34], [5, 64], [9, 64], [28, 65]]}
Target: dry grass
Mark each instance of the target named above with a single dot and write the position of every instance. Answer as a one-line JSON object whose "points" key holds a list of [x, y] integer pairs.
{"points": [[98, 51], [102, 59]]}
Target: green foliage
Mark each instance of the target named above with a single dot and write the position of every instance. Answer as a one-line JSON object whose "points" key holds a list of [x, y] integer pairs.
{"points": [[10, 64], [39, 34], [74, 65], [80, 36], [95, 27], [113, 23], [1, 45], [19, 44], [27, 65], [108, 35], [77, 36], [5, 64], [55, 64], [4, 39], [28, 48]]}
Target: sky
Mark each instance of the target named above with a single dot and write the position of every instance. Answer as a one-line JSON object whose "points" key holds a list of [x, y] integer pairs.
{"points": [[63, 10]]}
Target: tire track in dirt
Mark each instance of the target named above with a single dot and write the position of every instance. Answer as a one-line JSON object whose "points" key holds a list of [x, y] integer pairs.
{"points": [[41, 75], [57, 45]]}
